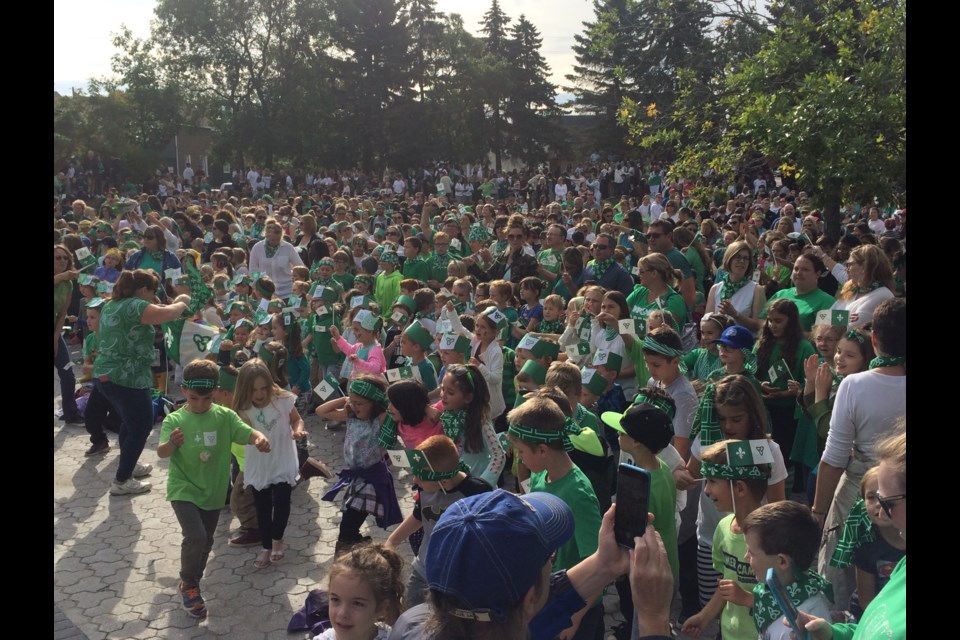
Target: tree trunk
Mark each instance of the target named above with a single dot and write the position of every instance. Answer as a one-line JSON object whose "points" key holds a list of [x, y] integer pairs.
{"points": [[831, 206]]}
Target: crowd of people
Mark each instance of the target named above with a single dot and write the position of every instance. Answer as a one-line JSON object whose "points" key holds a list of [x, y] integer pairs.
{"points": [[509, 339]]}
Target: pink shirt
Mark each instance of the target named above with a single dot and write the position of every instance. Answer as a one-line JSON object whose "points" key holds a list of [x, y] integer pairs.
{"points": [[375, 362], [413, 435]]}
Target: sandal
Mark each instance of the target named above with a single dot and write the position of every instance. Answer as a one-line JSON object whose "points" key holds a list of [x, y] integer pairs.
{"points": [[263, 559], [276, 555]]}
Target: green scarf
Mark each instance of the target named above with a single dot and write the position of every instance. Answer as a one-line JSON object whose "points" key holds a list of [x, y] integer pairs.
{"points": [[705, 421], [765, 608], [550, 326], [388, 433], [156, 255], [857, 531], [887, 361], [453, 423], [600, 267], [730, 288], [426, 316], [270, 251], [873, 286], [440, 261], [500, 246], [256, 230]]}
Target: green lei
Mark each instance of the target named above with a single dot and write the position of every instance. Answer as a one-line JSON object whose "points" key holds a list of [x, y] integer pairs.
{"points": [[600, 267], [765, 608], [453, 423]]}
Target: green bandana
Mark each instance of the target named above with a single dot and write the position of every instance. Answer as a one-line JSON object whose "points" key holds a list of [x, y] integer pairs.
{"points": [[887, 361], [873, 286], [426, 316], [388, 433], [649, 344], [500, 246], [270, 251], [369, 391], [453, 423], [545, 436], [477, 233], [550, 326], [727, 472], [199, 383], [200, 293], [600, 267], [853, 334], [390, 257], [705, 421], [730, 289], [857, 531], [440, 261], [765, 608], [658, 402]]}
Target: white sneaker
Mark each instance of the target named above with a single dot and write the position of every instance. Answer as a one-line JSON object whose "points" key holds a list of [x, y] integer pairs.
{"points": [[131, 486], [142, 469]]}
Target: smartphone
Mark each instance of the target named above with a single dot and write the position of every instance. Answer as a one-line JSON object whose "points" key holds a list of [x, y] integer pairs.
{"points": [[633, 500], [786, 604]]}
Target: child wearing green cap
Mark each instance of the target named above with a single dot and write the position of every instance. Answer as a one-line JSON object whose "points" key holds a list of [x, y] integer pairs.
{"points": [[415, 343]]}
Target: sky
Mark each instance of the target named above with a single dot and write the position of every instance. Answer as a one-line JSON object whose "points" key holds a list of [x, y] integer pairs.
{"points": [[82, 31]]}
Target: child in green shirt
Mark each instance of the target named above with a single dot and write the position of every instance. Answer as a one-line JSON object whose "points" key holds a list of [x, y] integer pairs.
{"points": [[197, 440]]}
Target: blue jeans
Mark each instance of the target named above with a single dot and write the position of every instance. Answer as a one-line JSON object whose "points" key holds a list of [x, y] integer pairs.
{"points": [[135, 408], [68, 381]]}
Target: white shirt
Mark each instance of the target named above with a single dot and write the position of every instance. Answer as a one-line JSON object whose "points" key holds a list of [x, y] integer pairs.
{"points": [[279, 267], [866, 407], [399, 186]]}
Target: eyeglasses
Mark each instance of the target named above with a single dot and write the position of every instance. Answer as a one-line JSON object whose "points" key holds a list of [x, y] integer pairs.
{"points": [[513, 236], [886, 503], [744, 258]]}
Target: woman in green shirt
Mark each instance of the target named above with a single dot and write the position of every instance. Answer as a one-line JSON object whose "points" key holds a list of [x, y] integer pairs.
{"points": [[122, 369], [63, 276], [655, 292], [805, 293]]}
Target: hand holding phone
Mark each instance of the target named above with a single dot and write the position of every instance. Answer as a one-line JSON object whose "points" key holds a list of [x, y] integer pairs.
{"points": [[633, 500], [786, 605]]}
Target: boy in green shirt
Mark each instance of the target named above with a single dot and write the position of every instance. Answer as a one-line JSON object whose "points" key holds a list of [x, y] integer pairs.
{"points": [[197, 440], [387, 288], [541, 437]]}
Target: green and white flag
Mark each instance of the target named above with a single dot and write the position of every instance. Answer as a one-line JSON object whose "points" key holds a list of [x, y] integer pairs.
{"points": [[408, 458], [87, 280], [85, 259], [200, 293], [188, 341], [172, 274], [403, 373], [104, 288], [742, 453], [835, 317], [504, 441], [327, 387], [779, 371], [628, 328]]}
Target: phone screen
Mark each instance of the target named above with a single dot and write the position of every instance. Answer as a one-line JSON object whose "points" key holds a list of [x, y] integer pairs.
{"points": [[786, 604], [633, 500]]}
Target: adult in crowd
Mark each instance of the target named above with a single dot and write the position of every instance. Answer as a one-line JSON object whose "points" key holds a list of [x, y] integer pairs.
{"points": [[154, 255], [660, 240], [738, 296], [805, 292], [275, 257], [656, 291], [865, 409], [488, 569], [886, 615], [870, 283], [122, 370], [221, 239], [604, 270], [64, 274], [572, 275], [513, 264]]}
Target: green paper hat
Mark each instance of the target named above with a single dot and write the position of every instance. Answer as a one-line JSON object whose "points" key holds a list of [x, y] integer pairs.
{"points": [[535, 370], [327, 294], [539, 347], [380, 232], [268, 199], [104, 287], [96, 302], [241, 279], [497, 317], [129, 244], [297, 301], [228, 381], [262, 317], [367, 319], [455, 342], [242, 305], [608, 359], [217, 284], [593, 381], [407, 302], [243, 322], [419, 334], [275, 306]]}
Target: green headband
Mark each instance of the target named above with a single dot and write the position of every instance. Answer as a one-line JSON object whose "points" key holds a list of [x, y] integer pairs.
{"points": [[425, 473], [265, 355], [727, 472], [243, 322], [657, 347], [544, 436], [855, 335], [325, 262], [365, 277], [199, 383], [390, 257], [263, 292], [660, 403], [369, 391]]}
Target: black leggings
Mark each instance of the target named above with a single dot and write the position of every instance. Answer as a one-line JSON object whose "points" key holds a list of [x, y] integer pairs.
{"points": [[273, 511], [350, 525]]}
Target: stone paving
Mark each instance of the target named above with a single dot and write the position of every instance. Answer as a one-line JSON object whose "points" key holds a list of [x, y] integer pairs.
{"points": [[116, 558]]}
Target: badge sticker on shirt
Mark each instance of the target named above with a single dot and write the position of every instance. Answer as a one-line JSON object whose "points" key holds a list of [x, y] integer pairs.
{"points": [[209, 438], [628, 327]]}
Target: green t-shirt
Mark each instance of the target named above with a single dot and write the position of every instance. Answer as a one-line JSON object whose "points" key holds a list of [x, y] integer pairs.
{"points": [[417, 268], [886, 615], [700, 363], [487, 188], [126, 345], [345, 280], [61, 293], [90, 346], [670, 301], [729, 548], [679, 261], [808, 304], [577, 493], [550, 260], [153, 264], [696, 263], [320, 346], [804, 351], [663, 504], [200, 469]]}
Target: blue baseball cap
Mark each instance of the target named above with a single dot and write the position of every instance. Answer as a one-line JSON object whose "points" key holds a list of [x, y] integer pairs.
{"points": [[487, 550], [737, 336]]}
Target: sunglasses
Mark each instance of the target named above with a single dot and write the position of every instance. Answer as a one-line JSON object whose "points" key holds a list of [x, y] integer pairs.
{"points": [[655, 235], [886, 503]]}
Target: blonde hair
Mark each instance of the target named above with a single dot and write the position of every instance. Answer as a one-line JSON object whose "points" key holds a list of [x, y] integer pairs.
{"points": [[251, 371]]}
